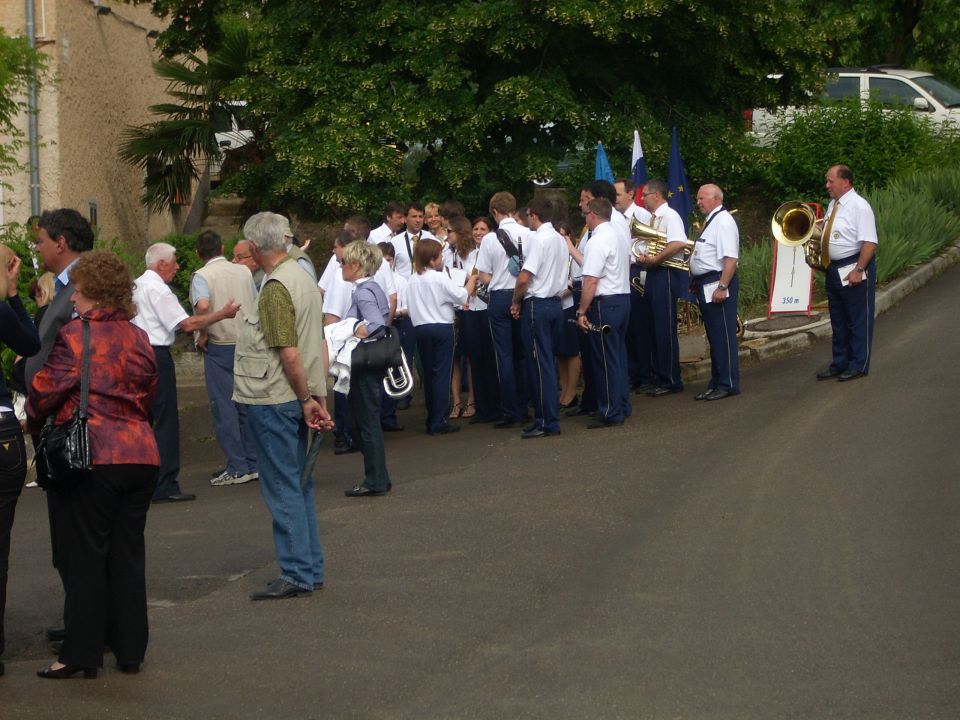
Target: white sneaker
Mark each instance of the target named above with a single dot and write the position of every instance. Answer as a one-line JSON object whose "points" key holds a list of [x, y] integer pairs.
{"points": [[32, 483], [228, 478]]}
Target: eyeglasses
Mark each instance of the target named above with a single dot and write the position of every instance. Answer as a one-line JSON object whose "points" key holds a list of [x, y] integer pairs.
{"points": [[648, 194], [241, 257]]}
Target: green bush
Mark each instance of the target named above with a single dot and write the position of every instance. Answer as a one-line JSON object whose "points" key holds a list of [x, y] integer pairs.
{"points": [[754, 270]]}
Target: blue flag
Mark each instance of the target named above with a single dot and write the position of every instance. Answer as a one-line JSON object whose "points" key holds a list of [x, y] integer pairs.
{"points": [[602, 169], [678, 190]]}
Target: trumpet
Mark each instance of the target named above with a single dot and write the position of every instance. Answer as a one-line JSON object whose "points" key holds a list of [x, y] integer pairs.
{"points": [[398, 380], [794, 224], [650, 241], [602, 329]]}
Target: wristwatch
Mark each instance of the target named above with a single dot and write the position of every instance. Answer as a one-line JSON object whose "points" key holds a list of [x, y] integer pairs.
{"points": [[860, 269], [306, 399], [721, 286]]}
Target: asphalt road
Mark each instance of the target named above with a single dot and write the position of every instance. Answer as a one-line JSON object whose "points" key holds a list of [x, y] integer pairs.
{"points": [[789, 553]]}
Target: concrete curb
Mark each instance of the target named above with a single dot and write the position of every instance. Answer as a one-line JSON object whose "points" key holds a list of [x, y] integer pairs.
{"points": [[888, 296]]}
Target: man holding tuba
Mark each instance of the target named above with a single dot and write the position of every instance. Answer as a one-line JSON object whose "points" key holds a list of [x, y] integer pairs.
{"points": [[849, 240], [713, 273], [664, 286]]}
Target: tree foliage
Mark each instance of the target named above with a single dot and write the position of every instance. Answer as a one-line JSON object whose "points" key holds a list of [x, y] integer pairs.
{"points": [[17, 64]]}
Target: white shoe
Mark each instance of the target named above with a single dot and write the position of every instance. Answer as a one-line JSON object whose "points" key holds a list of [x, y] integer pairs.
{"points": [[32, 483], [229, 478]]}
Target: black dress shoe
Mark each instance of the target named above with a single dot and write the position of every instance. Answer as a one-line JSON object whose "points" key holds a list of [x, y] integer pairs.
{"points": [[828, 374], [480, 420], [850, 375], [364, 491], [538, 433], [574, 412], [600, 424], [703, 395], [718, 394], [663, 390], [178, 497], [56, 633], [2, 669], [504, 424], [645, 388], [67, 671], [345, 450], [445, 430], [129, 668], [279, 589], [572, 404], [391, 428]]}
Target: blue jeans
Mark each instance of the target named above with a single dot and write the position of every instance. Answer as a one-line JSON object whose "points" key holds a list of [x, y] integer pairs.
{"points": [[229, 417], [280, 439]]}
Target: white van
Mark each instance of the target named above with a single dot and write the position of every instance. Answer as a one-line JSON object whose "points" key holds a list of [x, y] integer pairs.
{"points": [[897, 87], [230, 133]]}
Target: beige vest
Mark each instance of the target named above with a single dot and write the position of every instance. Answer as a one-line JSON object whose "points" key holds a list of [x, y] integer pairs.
{"points": [[227, 280], [258, 377]]}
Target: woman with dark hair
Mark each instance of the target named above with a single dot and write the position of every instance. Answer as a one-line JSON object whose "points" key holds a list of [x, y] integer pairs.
{"points": [[463, 257], [18, 332], [431, 299], [101, 518], [568, 345]]}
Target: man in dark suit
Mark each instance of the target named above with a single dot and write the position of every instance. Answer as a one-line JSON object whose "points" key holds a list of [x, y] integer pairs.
{"points": [[62, 236]]}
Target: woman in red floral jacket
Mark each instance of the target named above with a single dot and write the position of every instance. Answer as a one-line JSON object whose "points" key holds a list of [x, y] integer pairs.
{"points": [[101, 520]]}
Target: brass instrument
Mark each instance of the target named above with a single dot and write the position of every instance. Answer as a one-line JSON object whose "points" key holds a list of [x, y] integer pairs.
{"points": [[637, 285], [602, 329], [655, 241], [398, 380], [795, 224]]}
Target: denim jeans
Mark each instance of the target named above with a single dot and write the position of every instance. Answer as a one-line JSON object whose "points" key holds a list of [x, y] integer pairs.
{"points": [[280, 439], [229, 417]]}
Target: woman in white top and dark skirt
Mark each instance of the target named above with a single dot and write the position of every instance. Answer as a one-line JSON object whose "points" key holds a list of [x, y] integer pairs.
{"points": [[370, 308], [431, 299]]}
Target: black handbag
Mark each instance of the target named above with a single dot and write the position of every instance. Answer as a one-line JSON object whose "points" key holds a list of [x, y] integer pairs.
{"points": [[65, 448], [378, 354]]}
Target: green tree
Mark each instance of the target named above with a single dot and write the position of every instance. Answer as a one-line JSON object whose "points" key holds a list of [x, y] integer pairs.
{"points": [[17, 65]]}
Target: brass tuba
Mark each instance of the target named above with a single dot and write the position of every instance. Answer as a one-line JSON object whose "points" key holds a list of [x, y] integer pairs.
{"points": [[656, 240], [398, 380], [795, 224]]}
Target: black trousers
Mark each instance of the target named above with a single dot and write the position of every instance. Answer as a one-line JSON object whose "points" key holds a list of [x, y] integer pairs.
{"points": [[364, 398], [13, 469], [100, 524], [165, 417]]}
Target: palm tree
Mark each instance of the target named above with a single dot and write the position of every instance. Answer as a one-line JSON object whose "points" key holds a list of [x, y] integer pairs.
{"points": [[170, 149]]}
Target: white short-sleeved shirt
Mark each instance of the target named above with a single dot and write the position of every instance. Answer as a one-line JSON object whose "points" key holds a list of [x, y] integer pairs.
{"points": [[384, 277], [337, 292], [380, 234], [493, 259], [640, 213], [853, 226], [667, 219], [720, 239], [468, 265], [576, 270], [606, 260], [401, 283], [432, 297], [403, 262], [159, 312], [545, 257]]}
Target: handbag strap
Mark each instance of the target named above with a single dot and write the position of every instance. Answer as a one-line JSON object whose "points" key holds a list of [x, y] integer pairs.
{"points": [[85, 369]]}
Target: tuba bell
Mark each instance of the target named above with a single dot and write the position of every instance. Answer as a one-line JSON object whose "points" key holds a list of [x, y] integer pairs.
{"points": [[648, 240], [794, 224], [398, 380]]}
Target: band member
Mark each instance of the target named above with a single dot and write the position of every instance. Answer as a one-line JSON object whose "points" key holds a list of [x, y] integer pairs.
{"points": [[588, 400], [849, 240], [536, 303], [664, 286], [605, 301], [405, 242], [493, 266], [713, 270]]}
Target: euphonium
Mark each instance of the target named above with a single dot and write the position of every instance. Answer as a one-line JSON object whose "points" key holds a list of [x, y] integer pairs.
{"points": [[795, 224], [655, 241], [398, 380]]}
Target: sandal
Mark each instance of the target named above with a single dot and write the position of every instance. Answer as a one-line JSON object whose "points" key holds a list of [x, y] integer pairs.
{"points": [[469, 411], [456, 411]]}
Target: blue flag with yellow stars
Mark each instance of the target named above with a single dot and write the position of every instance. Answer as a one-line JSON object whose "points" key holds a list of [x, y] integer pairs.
{"points": [[602, 169], [678, 190]]}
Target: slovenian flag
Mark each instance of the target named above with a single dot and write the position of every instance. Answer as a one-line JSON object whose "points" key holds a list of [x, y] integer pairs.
{"points": [[638, 167], [602, 169]]}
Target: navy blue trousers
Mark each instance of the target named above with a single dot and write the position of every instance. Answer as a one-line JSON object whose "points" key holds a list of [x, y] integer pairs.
{"points": [[478, 346], [640, 336], [365, 389], [720, 321], [541, 322], [165, 417], [342, 418], [851, 317], [664, 287], [609, 356], [510, 367], [435, 345]]}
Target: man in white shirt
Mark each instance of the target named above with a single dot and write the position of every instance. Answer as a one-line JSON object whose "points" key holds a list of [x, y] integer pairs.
{"points": [[392, 223], [160, 315], [404, 242], [493, 268], [713, 277], [850, 241], [640, 337], [536, 303], [664, 287], [604, 313]]}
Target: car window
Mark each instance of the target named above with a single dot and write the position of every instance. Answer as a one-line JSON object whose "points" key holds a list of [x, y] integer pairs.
{"points": [[221, 119], [945, 93], [891, 91], [841, 88]]}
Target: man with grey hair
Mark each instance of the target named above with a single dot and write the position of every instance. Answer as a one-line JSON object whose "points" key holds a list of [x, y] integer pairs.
{"points": [[280, 374], [160, 315]]}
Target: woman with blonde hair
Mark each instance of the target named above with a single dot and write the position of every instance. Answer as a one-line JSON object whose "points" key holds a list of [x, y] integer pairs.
{"points": [[101, 517]]}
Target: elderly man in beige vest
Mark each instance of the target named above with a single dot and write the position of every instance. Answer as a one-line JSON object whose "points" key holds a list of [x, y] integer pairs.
{"points": [[212, 285], [280, 374]]}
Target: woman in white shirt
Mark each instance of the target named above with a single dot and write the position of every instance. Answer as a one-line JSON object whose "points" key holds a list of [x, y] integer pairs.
{"points": [[463, 260], [431, 298]]}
